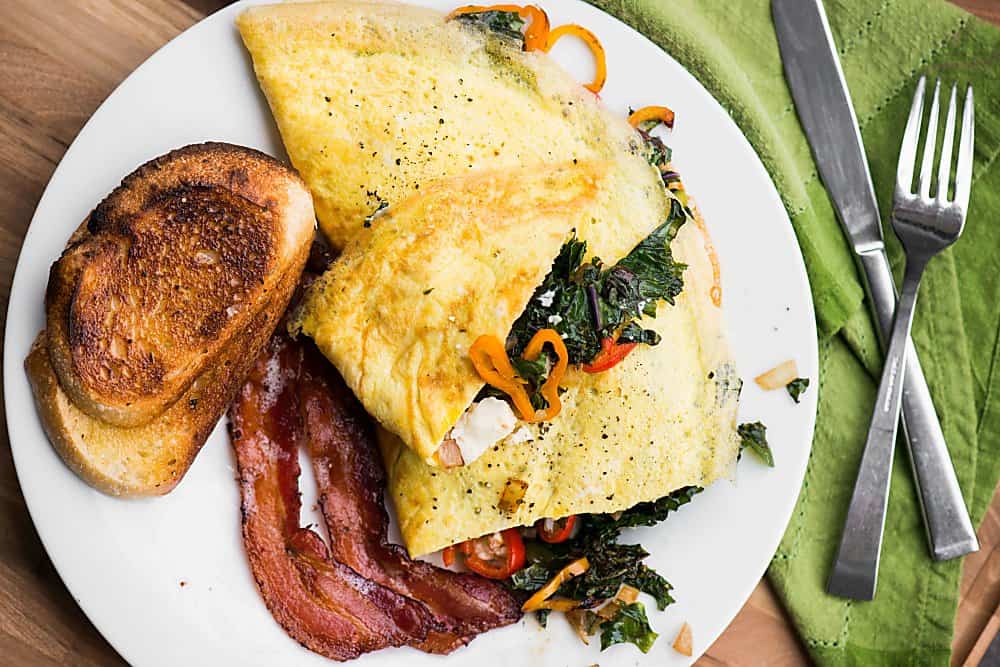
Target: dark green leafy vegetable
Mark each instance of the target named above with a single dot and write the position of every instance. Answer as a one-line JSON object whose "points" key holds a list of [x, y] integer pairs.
{"points": [[650, 581], [530, 578], [535, 372], [754, 436], [586, 302], [611, 564], [628, 625], [542, 616], [652, 513], [796, 387], [657, 276], [633, 333], [657, 153], [504, 24], [561, 295]]}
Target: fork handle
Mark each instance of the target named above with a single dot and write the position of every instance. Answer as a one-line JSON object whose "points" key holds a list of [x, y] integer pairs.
{"points": [[950, 533], [855, 571]]}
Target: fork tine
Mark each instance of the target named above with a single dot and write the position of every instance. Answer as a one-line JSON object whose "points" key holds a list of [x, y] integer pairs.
{"points": [[908, 151], [944, 168], [929, 143], [963, 174]]}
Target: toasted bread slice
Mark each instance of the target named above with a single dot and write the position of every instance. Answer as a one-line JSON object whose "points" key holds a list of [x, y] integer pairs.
{"points": [[151, 459], [169, 271]]}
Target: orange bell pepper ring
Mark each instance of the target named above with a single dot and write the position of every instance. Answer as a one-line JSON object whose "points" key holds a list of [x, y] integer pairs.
{"points": [[489, 358], [645, 114], [539, 37], [596, 49], [550, 389]]}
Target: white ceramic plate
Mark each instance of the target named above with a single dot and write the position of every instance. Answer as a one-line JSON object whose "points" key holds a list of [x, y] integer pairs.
{"points": [[166, 580]]}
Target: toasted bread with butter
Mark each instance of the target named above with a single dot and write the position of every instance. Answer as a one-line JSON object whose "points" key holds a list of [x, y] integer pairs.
{"points": [[168, 271], [172, 287]]}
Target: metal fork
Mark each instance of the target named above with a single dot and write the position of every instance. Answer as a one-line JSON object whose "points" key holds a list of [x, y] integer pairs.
{"points": [[925, 226]]}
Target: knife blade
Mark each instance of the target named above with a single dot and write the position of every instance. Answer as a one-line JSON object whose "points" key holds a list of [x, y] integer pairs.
{"points": [[823, 102]]}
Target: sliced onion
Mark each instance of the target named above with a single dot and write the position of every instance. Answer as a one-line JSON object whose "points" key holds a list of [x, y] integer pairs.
{"points": [[449, 455], [683, 644], [512, 496], [582, 622], [779, 376], [627, 594], [610, 610]]}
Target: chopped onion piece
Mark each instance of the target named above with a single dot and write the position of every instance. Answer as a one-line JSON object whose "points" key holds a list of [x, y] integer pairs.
{"points": [[582, 621], [683, 644], [627, 594], [610, 610], [779, 376], [449, 455], [513, 495]]}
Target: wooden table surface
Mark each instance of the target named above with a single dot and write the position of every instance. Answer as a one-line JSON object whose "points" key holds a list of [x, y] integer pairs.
{"points": [[58, 60]]}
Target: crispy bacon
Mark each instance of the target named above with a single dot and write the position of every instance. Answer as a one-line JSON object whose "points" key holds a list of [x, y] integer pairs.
{"points": [[362, 593], [323, 604], [351, 480]]}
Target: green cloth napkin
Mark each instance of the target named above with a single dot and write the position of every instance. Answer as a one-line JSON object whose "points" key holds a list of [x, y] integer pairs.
{"points": [[884, 46]]}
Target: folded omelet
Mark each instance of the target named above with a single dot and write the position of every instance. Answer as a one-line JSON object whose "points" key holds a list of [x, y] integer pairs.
{"points": [[399, 309], [451, 166], [662, 419], [375, 99]]}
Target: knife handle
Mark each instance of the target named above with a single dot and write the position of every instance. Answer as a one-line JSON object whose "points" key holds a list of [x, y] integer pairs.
{"points": [[949, 528]]}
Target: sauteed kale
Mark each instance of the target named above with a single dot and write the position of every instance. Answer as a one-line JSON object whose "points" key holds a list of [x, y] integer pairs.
{"points": [[586, 302], [612, 565], [796, 387], [505, 24], [754, 436]]}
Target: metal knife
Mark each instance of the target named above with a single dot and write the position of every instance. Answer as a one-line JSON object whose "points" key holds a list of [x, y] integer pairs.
{"points": [[823, 102]]}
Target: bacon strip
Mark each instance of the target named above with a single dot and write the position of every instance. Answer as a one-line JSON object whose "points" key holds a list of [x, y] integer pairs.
{"points": [[323, 604], [351, 481], [362, 593]]}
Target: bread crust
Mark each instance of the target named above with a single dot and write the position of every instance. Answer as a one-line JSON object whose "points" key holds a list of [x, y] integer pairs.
{"points": [[151, 459], [166, 272], [131, 272]]}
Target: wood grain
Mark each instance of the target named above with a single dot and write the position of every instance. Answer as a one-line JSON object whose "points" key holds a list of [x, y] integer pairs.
{"points": [[58, 60]]}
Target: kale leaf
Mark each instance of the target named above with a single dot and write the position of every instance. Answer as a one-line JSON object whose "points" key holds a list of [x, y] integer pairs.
{"points": [[531, 578], [535, 372], [652, 582], [796, 387], [563, 296], [611, 564], [656, 274], [754, 436], [586, 302], [504, 24], [628, 625], [651, 513], [633, 333], [656, 152], [606, 527]]}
